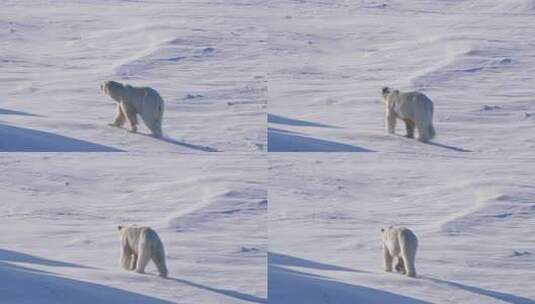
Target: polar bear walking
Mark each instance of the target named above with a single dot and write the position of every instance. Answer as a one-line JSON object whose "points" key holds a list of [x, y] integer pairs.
{"points": [[400, 243], [139, 245], [132, 101], [414, 108]]}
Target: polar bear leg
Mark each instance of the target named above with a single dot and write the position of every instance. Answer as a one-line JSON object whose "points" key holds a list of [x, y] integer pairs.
{"points": [[424, 122], [388, 259], [423, 130], [408, 255], [142, 260], [126, 255], [134, 262], [159, 260], [130, 114], [390, 121], [152, 114], [431, 131], [144, 252], [409, 124], [400, 266], [153, 124], [119, 117]]}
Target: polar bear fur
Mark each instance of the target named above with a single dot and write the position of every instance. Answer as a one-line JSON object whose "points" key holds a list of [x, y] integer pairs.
{"points": [[414, 108], [132, 101], [400, 243], [139, 245]]}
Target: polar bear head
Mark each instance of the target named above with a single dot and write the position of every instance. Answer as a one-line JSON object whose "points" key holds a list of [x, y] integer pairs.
{"points": [[385, 91], [113, 89]]}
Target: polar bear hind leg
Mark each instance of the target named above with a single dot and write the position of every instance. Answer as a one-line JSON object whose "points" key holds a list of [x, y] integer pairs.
{"points": [[431, 131], [400, 266], [409, 124], [423, 130], [408, 253], [144, 253], [159, 260], [424, 121], [153, 113], [134, 262], [126, 256], [388, 259]]}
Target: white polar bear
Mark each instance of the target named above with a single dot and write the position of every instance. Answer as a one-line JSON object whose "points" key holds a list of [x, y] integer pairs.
{"points": [[138, 246], [132, 101], [400, 243], [414, 108]]}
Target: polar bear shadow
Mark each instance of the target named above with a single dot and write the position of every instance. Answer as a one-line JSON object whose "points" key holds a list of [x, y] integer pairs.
{"points": [[440, 145], [226, 292], [319, 287], [181, 143], [506, 297]]}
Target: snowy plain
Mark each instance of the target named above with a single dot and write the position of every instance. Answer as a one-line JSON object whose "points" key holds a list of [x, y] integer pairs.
{"points": [[469, 194]]}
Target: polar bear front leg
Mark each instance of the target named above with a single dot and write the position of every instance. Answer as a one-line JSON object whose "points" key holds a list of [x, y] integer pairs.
{"points": [[387, 259], [390, 121], [119, 117], [130, 114]]}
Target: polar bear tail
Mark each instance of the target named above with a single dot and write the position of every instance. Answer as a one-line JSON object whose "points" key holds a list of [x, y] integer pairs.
{"points": [[408, 243]]}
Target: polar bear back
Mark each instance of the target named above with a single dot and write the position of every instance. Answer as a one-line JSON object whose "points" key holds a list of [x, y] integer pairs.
{"points": [[394, 238], [137, 96], [407, 103], [132, 235]]}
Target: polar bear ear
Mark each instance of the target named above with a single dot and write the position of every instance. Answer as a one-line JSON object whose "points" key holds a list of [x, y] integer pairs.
{"points": [[382, 229], [385, 91], [119, 227]]}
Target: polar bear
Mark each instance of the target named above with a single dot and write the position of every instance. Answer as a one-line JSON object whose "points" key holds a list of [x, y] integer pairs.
{"points": [[400, 243], [132, 101], [414, 108], [138, 246]]}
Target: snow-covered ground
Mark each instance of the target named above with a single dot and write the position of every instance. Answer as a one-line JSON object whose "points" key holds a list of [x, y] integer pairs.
{"points": [[469, 195], [59, 240], [204, 57]]}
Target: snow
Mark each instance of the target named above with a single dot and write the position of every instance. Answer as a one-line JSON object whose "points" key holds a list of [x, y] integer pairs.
{"points": [[240, 79], [468, 195]]}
